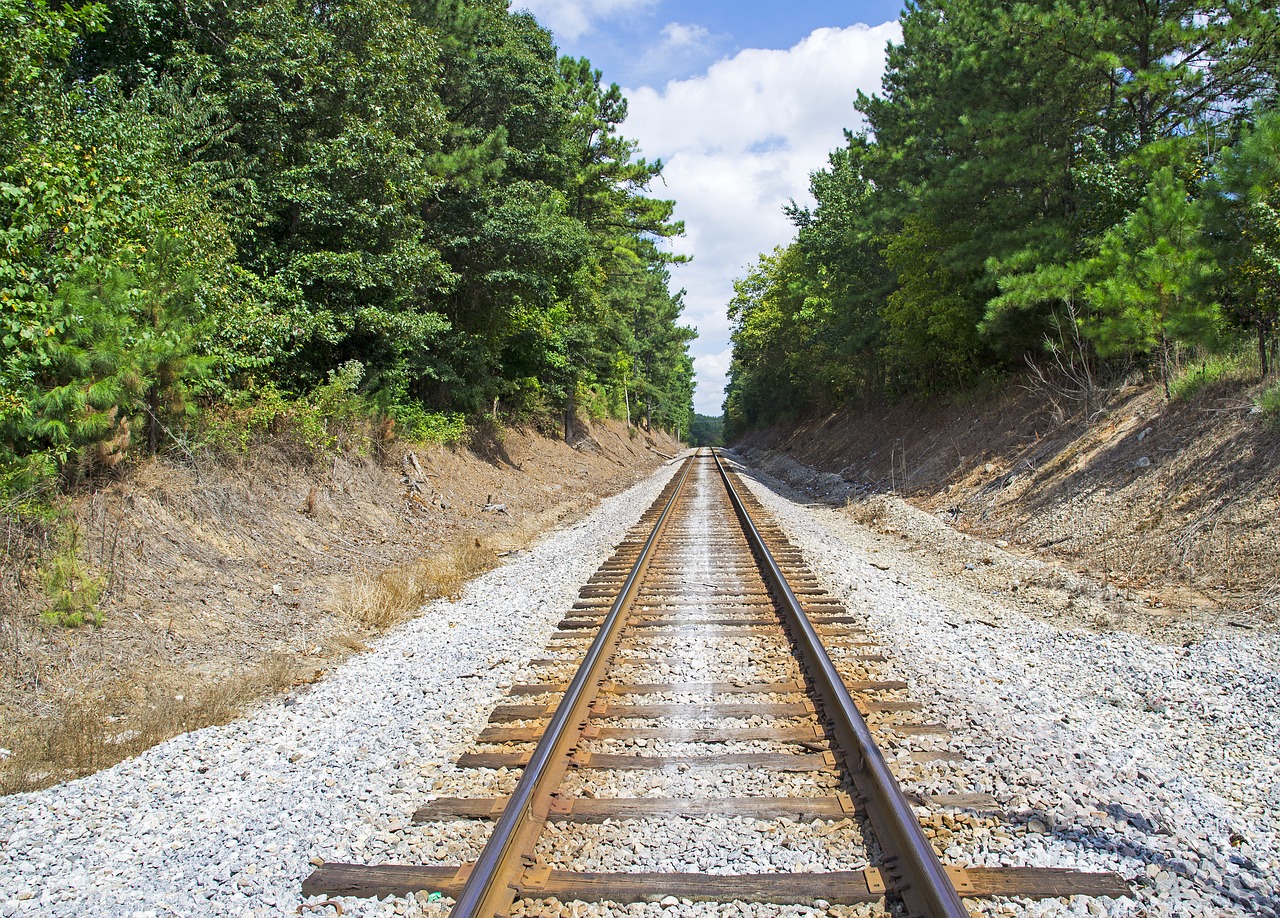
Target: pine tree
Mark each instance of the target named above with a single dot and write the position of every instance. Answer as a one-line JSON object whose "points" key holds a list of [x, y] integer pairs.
{"points": [[1151, 270]]}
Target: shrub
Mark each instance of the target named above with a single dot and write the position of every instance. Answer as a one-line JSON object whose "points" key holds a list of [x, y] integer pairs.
{"points": [[326, 418], [73, 591], [415, 422]]}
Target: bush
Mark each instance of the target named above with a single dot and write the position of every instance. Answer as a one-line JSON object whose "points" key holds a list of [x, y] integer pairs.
{"points": [[328, 417], [415, 422]]}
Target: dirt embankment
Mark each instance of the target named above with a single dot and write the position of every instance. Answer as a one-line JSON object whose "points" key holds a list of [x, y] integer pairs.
{"points": [[229, 579], [1175, 506]]}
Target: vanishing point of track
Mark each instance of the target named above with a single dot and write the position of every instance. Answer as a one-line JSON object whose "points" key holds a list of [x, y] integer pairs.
{"points": [[711, 598]]}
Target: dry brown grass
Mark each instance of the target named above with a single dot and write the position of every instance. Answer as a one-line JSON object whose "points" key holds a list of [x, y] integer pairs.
{"points": [[199, 549], [375, 603], [95, 725], [869, 512], [94, 728]]}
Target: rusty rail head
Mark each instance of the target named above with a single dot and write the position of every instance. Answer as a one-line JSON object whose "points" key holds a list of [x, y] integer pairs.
{"points": [[919, 877], [488, 889]]}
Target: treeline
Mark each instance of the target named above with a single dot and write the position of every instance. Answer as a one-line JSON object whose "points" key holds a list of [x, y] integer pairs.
{"points": [[1091, 186], [211, 202]]}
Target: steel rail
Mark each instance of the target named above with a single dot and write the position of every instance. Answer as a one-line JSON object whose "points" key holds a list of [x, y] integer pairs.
{"points": [[488, 890], [918, 875]]}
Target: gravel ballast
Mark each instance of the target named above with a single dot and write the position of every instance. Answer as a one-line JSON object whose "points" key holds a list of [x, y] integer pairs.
{"points": [[1106, 750]]}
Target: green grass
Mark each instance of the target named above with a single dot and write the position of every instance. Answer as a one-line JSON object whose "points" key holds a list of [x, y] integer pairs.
{"points": [[1197, 376], [1269, 402]]}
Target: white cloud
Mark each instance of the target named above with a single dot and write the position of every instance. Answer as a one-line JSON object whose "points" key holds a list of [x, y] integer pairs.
{"points": [[681, 35], [712, 366], [571, 19], [738, 143]]}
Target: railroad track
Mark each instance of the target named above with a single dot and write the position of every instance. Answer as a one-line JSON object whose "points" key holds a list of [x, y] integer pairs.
{"points": [[703, 649]]}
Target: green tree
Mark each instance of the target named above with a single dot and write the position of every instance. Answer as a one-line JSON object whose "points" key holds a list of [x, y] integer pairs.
{"points": [[931, 326], [331, 121], [1150, 271], [1243, 201], [841, 242]]}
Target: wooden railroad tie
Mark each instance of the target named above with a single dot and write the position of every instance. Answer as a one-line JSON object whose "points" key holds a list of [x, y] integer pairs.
{"points": [[846, 887]]}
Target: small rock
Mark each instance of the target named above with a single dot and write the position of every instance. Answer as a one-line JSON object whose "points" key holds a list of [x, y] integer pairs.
{"points": [[669, 902], [1142, 463]]}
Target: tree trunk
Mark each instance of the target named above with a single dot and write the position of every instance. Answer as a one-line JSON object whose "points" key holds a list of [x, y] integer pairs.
{"points": [[1164, 365], [153, 419]]}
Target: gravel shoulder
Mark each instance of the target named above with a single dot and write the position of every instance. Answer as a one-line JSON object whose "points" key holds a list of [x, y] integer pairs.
{"points": [[1113, 738]]}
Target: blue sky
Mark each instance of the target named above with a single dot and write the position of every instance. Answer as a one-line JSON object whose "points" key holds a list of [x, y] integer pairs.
{"points": [[741, 101]]}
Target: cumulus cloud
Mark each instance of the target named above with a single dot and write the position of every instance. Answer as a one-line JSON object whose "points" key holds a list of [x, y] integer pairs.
{"points": [[738, 143], [571, 19], [682, 35], [713, 366]]}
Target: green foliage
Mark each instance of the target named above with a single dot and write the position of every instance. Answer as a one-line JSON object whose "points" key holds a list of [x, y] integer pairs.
{"points": [[416, 423], [1269, 402], [27, 483], [931, 329], [1209, 369], [418, 193], [73, 591], [706, 431], [1243, 203], [333, 415], [1150, 270], [1068, 183], [251, 413]]}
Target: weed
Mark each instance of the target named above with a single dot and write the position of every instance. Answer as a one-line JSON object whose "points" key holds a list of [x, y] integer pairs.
{"points": [[330, 417], [28, 484], [417, 423], [869, 512], [95, 727]]}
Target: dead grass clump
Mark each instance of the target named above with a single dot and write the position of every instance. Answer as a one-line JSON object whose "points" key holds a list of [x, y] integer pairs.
{"points": [[870, 512], [374, 603], [89, 730]]}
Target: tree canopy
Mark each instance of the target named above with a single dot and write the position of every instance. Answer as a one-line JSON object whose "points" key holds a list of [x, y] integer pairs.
{"points": [[201, 199], [1034, 176]]}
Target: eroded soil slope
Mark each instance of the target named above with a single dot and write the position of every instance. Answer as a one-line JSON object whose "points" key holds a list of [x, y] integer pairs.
{"points": [[230, 579], [1175, 507]]}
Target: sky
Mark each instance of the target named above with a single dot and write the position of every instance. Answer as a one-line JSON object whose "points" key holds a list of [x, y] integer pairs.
{"points": [[741, 101]]}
